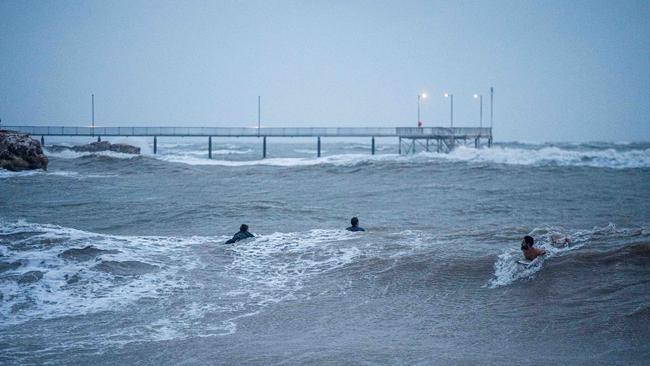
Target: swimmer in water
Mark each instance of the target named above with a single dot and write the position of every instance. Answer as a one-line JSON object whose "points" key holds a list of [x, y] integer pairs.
{"points": [[530, 252], [355, 225], [242, 234]]}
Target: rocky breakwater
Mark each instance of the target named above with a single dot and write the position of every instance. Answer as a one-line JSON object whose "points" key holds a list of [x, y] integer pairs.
{"points": [[99, 146], [20, 152]]}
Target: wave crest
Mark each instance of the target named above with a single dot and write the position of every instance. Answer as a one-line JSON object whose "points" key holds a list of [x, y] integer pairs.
{"points": [[507, 271], [553, 156]]}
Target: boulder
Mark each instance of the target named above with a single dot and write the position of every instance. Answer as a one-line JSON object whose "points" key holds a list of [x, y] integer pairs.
{"points": [[20, 152], [84, 254], [8, 266], [99, 146], [29, 277]]}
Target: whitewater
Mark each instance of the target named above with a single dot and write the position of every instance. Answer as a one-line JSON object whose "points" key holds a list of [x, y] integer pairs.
{"points": [[109, 258]]}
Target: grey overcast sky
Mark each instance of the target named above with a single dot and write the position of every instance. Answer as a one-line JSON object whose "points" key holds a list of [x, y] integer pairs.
{"points": [[562, 70]]}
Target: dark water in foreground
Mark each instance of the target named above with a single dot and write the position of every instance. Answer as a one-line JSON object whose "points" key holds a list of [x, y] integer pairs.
{"points": [[106, 259]]}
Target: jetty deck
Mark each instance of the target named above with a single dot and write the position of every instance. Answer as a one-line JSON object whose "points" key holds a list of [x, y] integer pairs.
{"points": [[442, 139]]}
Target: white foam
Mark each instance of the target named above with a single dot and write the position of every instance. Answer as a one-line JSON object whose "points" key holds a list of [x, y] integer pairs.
{"points": [[276, 265], [203, 153], [336, 160], [308, 151], [231, 152], [274, 268], [52, 296], [607, 158], [69, 154], [265, 270], [5, 174], [535, 155]]}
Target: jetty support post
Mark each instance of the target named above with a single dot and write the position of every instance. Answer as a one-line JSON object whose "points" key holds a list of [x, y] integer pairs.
{"points": [[99, 139], [399, 148], [372, 143], [427, 144], [155, 145], [264, 147], [438, 150], [209, 147], [42, 140], [318, 146]]}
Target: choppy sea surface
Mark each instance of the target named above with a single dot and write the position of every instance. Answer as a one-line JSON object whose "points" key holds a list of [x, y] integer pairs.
{"points": [[110, 259]]}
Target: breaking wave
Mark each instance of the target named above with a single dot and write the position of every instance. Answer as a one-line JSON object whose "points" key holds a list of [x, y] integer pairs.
{"points": [[537, 156], [594, 155], [70, 154], [6, 174], [49, 271], [557, 243], [553, 156], [336, 160]]}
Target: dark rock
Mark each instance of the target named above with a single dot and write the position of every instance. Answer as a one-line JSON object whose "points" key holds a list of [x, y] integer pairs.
{"points": [[72, 279], [29, 277], [20, 152], [4, 266], [85, 254], [58, 148], [126, 268], [99, 146], [16, 308]]}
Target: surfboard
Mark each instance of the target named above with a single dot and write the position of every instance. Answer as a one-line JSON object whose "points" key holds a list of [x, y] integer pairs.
{"points": [[525, 263]]}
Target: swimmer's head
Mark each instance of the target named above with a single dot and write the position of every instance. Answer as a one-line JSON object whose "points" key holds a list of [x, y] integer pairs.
{"points": [[243, 227], [527, 242], [354, 221]]}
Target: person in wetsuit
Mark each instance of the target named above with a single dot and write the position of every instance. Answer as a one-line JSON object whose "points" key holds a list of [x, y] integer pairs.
{"points": [[355, 225], [530, 252], [242, 234]]}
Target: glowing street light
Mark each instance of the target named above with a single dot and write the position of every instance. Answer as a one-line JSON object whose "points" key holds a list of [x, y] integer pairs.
{"points": [[480, 98], [451, 97], [420, 96]]}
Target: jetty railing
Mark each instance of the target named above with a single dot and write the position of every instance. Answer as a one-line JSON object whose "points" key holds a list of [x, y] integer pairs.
{"points": [[443, 131], [208, 131], [445, 138]]}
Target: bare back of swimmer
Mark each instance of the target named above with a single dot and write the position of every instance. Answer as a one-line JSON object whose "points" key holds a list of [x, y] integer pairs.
{"points": [[530, 252]]}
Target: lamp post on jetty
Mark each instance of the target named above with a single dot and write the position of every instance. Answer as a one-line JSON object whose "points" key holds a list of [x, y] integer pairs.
{"points": [[491, 114], [92, 102], [480, 98], [451, 97], [420, 96], [491, 105], [259, 110]]}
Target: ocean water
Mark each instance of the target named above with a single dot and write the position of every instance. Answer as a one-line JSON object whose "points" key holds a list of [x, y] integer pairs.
{"points": [[109, 259]]}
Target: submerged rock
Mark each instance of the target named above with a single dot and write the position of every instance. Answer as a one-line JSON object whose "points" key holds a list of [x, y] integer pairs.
{"points": [[8, 266], [72, 279], [99, 146], [27, 277], [20, 152], [16, 308], [86, 253], [126, 268]]}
